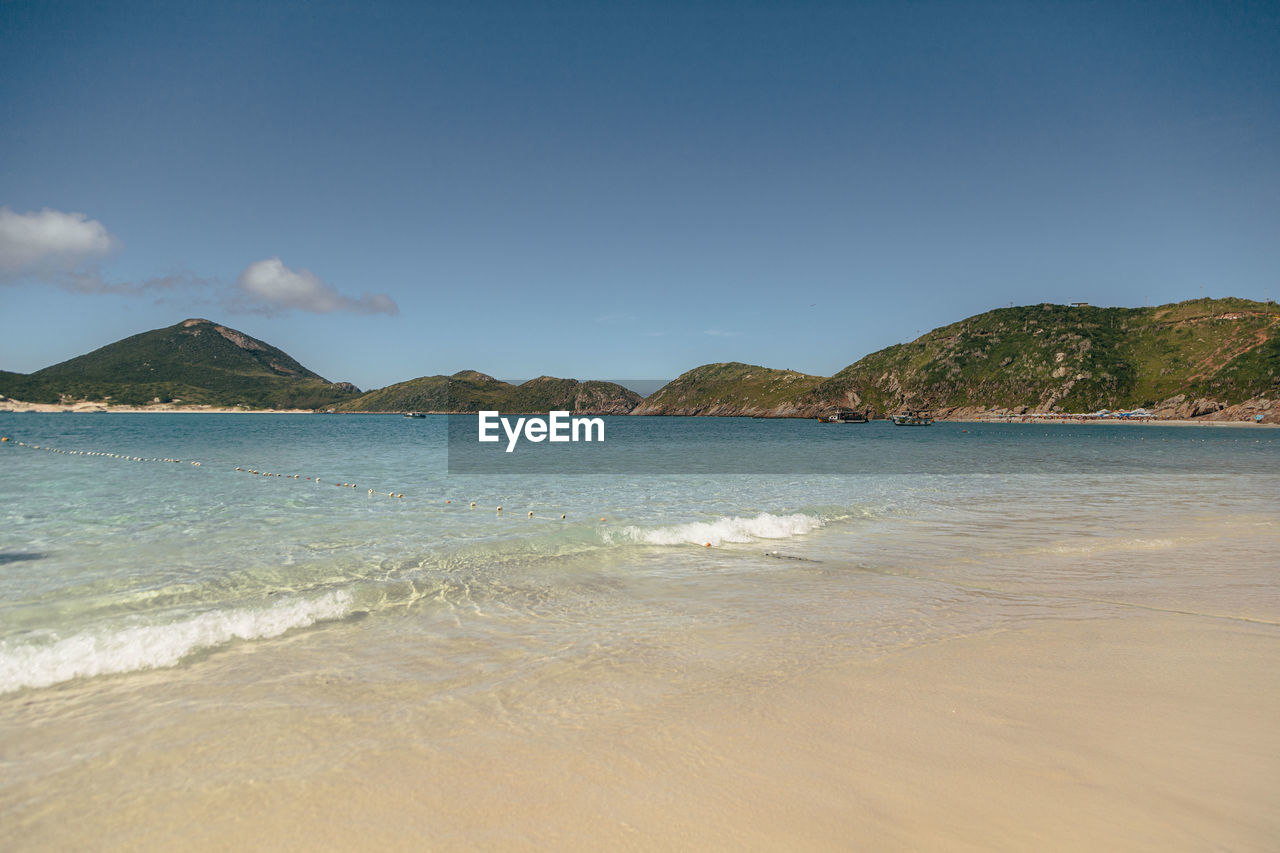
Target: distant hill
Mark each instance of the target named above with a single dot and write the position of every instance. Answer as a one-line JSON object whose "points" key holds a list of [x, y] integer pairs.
{"points": [[1186, 359], [733, 388], [194, 362], [1216, 358], [1204, 357], [471, 391]]}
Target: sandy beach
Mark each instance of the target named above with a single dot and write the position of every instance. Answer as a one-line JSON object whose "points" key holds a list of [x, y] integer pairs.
{"points": [[7, 405], [1155, 732]]}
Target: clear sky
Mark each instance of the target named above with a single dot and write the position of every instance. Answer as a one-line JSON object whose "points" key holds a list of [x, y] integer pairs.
{"points": [[621, 189]]}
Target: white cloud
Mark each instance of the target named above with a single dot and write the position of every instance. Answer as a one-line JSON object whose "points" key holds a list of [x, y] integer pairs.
{"points": [[50, 245], [59, 248], [270, 286]]}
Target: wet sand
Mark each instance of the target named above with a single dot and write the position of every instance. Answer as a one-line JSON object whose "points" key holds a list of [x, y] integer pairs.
{"points": [[1148, 732]]}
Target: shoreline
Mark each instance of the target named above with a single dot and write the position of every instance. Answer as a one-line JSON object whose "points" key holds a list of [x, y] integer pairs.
{"points": [[15, 406], [100, 408], [1149, 422]]}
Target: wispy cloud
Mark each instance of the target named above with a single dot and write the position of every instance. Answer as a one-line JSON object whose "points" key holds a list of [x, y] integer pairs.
{"points": [[62, 249], [719, 333], [50, 245], [270, 287]]}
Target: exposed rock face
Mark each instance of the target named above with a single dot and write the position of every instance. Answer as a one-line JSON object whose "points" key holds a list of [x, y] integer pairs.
{"points": [[240, 339], [1258, 410]]}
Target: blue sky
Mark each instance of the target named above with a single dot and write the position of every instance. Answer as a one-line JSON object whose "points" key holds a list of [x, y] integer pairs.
{"points": [[621, 189]]}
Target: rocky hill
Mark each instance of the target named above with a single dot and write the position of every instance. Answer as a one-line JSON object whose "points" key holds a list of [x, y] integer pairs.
{"points": [[196, 362], [1214, 358], [734, 389], [471, 391], [1183, 360]]}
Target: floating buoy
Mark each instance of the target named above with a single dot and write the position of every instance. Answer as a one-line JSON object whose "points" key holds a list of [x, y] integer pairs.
{"points": [[708, 545], [562, 516], [499, 509], [531, 513], [5, 438], [371, 492], [448, 502], [602, 518], [473, 503]]}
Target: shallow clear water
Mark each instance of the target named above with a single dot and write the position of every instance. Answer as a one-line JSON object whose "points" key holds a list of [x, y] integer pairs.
{"points": [[113, 565]]}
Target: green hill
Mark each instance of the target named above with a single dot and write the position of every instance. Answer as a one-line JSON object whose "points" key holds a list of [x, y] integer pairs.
{"points": [[733, 388], [194, 362], [1188, 358], [1182, 360], [471, 391]]}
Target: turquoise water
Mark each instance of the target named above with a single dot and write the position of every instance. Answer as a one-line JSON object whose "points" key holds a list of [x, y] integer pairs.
{"points": [[120, 554]]}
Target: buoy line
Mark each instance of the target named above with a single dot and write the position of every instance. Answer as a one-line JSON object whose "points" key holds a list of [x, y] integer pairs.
{"points": [[100, 453]]}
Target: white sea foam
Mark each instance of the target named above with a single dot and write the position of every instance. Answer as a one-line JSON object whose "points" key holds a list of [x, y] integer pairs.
{"points": [[151, 646], [733, 529]]}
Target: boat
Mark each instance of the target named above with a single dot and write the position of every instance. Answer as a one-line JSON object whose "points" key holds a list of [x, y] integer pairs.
{"points": [[910, 418], [843, 416], [414, 415]]}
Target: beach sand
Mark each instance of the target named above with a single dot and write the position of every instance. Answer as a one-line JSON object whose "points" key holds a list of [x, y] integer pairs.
{"points": [[7, 405], [1154, 731]]}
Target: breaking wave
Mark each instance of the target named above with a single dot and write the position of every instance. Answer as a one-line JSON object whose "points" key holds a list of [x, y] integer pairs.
{"points": [[89, 653], [732, 529]]}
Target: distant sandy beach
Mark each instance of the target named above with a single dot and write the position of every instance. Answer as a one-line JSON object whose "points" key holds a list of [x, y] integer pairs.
{"points": [[19, 406]]}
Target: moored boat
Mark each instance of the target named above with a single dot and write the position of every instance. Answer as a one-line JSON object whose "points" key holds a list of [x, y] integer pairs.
{"points": [[843, 416], [910, 418], [414, 415]]}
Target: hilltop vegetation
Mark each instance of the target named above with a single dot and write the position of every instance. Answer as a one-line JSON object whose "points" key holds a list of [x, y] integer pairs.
{"points": [[732, 388], [471, 391], [195, 362], [1202, 357], [1219, 352]]}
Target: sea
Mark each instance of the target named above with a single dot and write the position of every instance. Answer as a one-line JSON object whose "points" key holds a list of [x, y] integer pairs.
{"points": [[170, 572]]}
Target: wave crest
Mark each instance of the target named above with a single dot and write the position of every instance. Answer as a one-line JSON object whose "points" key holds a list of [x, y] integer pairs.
{"points": [[731, 529], [139, 647]]}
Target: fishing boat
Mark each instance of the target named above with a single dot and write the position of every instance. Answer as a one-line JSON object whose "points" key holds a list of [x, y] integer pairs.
{"points": [[910, 418], [843, 416], [414, 415]]}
